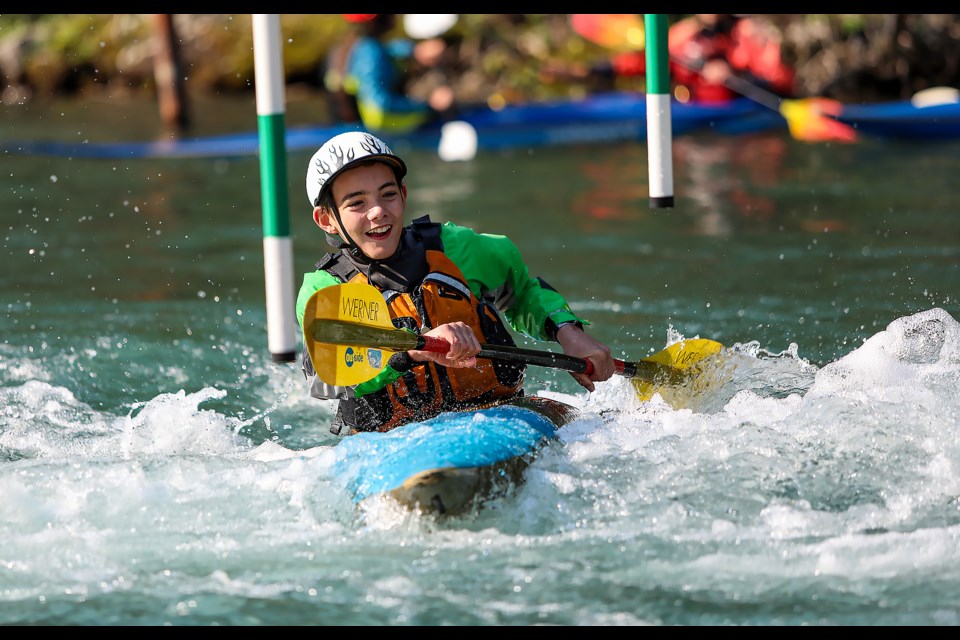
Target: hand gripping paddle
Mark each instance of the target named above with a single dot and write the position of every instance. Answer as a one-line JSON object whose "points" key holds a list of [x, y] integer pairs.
{"points": [[349, 337]]}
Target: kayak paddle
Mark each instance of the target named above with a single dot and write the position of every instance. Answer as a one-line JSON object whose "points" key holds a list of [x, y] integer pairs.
{"points": [[349, 337], [616, 31], [808, 119]]}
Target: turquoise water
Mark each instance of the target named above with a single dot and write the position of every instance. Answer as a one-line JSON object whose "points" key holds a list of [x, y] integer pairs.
{"points": [[157, 467]]}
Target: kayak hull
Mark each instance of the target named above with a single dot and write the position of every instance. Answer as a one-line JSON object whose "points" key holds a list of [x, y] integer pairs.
{"points": [[595, 119], [599, 118], [453, 463], [904, 120]]}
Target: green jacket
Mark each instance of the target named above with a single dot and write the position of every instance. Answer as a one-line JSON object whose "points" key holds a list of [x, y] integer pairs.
{"points": [[494, 270]]}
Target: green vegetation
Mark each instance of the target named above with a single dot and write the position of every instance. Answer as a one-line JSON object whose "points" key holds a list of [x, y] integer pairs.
{"points": [[493, 57]]}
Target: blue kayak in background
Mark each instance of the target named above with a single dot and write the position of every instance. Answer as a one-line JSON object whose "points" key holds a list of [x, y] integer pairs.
{"points": [[594, 119], [904, 120], [597, 118], [454, 461]]}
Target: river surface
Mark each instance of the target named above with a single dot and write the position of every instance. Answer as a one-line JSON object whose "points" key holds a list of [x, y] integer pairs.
{"points": [[157, 468]]}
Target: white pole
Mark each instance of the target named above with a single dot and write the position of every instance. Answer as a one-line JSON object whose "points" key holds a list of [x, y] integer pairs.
{"points": [[659, 131], [282, 326]]}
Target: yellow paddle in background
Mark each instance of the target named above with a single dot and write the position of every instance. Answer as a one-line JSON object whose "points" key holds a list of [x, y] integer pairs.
{"points": [[349, 337], [614, 31], [808, 119]]}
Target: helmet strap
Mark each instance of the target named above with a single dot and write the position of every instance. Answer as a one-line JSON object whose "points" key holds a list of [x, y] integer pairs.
{"points": [[345, 242]]}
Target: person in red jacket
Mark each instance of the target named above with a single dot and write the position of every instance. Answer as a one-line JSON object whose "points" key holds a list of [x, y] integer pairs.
{"points": [[705, 50]]}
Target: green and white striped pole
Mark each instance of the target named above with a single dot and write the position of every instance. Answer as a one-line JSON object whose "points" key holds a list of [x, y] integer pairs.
{"points": [[282, 334], [659, 131]]}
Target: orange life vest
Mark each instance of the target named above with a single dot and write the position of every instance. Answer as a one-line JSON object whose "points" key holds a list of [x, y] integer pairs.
{"points": [[428, 389]]}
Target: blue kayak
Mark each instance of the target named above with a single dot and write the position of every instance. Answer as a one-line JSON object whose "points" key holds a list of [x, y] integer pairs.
{"points": [[452, 462], [904, 120], [599, 118]]}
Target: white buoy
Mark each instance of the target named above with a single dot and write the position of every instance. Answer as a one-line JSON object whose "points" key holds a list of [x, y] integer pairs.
{"points": [[458, 141], [934, 96]]}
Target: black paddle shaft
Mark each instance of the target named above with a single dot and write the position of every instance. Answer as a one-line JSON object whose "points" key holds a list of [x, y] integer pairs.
{"points": [[515, 354], [334, 331], [539, 358], [566, 362]]}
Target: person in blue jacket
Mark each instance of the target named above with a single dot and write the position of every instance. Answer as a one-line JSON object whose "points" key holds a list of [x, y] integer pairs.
{"points": [[366, 74]]}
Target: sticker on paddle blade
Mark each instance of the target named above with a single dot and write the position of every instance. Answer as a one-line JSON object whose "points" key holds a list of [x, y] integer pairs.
{"points": [[353, 305], [682, 357]]}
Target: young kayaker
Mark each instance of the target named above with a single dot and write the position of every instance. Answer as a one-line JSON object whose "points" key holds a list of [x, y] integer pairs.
{"points": [[441, 280]]}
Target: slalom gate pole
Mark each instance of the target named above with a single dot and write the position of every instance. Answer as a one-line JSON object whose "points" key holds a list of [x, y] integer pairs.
{"points": [[282, 324], [659, 131]]}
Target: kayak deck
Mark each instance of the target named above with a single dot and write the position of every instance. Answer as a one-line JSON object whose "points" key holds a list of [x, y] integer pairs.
{"points": [[454, 490]]}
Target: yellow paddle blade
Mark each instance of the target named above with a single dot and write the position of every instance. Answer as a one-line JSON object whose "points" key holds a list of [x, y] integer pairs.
{"points": [[356, 303], [617, 31], [809, 119], [348, 334], [681, 356]]}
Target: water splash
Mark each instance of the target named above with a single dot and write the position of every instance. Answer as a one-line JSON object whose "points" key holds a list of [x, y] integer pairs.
{"points": [[786, 482]]}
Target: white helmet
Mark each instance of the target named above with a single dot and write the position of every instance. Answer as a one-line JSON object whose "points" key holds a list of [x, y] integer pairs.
{"points": [[342, 152]]}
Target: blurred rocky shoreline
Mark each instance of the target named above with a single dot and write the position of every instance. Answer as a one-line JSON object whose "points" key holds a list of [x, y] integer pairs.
{"points": [[879, 57], [854, 58]]}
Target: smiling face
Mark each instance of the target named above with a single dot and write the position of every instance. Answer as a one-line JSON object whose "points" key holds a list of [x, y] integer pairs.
{"points": [[371, 205]]}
